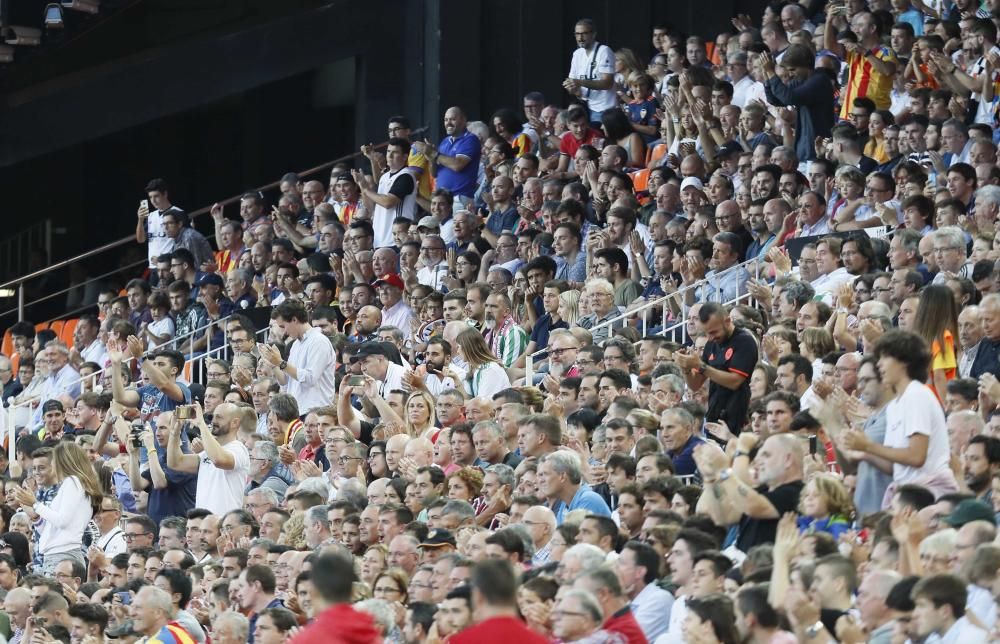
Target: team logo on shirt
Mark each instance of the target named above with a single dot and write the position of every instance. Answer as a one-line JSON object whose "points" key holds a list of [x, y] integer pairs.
{"points": [[729, 353]]}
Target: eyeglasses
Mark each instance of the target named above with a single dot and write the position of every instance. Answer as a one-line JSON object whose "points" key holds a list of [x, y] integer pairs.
{"points": [[133, 535], [556, 614], [559, 352], [347, 459]]}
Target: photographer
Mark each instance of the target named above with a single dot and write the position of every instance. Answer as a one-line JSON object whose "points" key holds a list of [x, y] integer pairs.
{"points": [[171, 492]]}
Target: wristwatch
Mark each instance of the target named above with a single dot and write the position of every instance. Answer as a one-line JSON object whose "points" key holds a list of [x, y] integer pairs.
{"points": [[702, 367], [815, 629], [282, 365]]}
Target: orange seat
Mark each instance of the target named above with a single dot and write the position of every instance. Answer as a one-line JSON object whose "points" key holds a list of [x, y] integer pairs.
{"points": [[15, 363], [188, 369], [57, 326], [7, 345], [67, 331], [41, 326]]}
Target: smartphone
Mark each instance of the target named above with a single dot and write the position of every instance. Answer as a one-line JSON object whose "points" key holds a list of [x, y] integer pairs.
{"points": [[137, 427], [184, 412], [355, 381], [144, 203], [813, 444], [125, 597]]}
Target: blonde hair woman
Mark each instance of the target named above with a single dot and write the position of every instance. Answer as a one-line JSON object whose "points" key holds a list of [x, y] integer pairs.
{"points": [[420, 417], [569, 306], [485, 376], [67, 516]]}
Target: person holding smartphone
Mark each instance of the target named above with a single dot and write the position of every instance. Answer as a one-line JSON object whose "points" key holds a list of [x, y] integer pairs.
{"points": [[149, 226]]}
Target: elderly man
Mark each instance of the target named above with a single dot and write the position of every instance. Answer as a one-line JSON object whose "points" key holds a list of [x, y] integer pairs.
{"points": [[153, 613], [949, 252], [541, 524], [601, 295], [507, 339], [876, 617], [988, 355], [679, 436], [578, 614], [404, 553], [560, 479], [62, 378], [970, 333]]}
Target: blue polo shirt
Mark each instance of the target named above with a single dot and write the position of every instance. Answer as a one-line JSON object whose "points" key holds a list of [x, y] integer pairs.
{"points": [[501, 221], [584, 499], [540, 333], [683, 458], [464, 182]]}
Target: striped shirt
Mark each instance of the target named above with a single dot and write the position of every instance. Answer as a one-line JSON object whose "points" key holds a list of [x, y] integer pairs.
{"points": [[865, 81], [508, 341]]}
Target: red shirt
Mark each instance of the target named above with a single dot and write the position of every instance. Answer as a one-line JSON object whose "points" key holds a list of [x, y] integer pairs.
{"points": [[569, 144], [498, 630], [624, 622]]}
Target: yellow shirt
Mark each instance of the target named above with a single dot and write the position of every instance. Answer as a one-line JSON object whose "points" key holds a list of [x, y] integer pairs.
{"points": [[865, 81]]}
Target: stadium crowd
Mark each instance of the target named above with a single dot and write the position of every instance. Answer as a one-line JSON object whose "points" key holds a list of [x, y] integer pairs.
{"points": [[709, 355]]}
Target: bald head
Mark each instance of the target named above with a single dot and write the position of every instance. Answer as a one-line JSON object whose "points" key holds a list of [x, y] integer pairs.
{"points": [[397, 442], [454, 121], [540, 514], [420, 451]]}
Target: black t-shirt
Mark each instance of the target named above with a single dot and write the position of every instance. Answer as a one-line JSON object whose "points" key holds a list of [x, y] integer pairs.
{"points": [[738, 355], [784, 498]]}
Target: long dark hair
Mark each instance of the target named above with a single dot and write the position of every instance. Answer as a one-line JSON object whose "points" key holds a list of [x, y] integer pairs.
{"points": [[936, 314]]}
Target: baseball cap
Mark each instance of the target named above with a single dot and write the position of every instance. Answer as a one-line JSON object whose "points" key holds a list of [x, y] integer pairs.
{"points": [[727, 148], [968, 511], [692, 182], [390, 279], [438, 539], [429, 222], [212, 279], [370, 349]]}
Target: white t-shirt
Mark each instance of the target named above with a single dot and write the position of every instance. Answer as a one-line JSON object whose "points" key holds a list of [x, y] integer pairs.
{"points": [[383, 217], [489, 379], [917, 411], [156, 236], [220, 491], [591, 65]]}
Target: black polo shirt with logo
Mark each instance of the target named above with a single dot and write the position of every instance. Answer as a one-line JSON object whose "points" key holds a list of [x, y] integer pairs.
{"points": [[737, 354]]}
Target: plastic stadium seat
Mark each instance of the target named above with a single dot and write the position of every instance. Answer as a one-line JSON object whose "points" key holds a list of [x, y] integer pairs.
{"points": [[15, 363], [41, 326], [7, 345], [57, 327], [67, 331]]}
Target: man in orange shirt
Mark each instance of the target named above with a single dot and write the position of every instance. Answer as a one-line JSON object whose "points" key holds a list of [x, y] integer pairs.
{"points": [[871, 64]]}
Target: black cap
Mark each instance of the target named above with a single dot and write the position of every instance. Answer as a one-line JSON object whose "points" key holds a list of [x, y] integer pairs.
{"points": [[438, 538], [53, 405], [370, 349], [213, 279]]}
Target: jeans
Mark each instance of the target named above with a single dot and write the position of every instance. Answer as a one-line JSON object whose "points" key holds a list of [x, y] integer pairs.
{"points": [[51, 560]]}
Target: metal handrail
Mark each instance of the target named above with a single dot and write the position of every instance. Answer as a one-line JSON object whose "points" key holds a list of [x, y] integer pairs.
{"points": [[199, 360], [662, 302], [20, 281]]}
